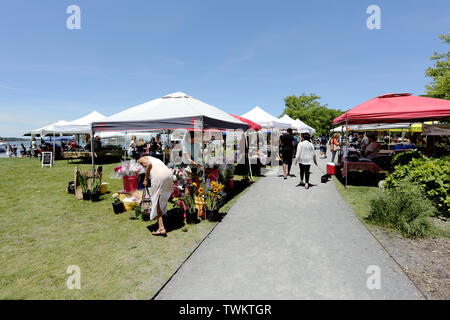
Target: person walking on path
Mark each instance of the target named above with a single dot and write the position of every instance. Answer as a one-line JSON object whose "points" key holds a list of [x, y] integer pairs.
{"points": [[287, 151], [160, 177], [334, 146], [323, 147], [305, 156]]}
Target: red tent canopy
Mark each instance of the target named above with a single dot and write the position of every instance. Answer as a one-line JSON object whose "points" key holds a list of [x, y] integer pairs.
{"points": [[396, 107], [253, 125]]}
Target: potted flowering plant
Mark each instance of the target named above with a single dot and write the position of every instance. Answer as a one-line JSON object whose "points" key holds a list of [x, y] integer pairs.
{"points": [[117, 204], [214, 200], [95, 187], [84, 186], [188, 199], [128, 171]]}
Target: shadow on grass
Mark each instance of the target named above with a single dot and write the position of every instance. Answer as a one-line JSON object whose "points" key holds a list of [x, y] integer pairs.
{"points": [[362, 178], [173, 220]]}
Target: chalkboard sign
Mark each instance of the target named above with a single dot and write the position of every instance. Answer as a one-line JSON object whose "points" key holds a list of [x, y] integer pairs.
{"points": [[47, 159]]}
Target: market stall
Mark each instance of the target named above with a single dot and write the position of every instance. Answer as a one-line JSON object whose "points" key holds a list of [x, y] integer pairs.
{"points": [[298, 125], [394, 108], [265, 119], [165, 115]]}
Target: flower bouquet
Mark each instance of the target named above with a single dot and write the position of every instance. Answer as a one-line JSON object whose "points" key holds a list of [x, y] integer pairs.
{"points": [[128, 171], [215, 197]]}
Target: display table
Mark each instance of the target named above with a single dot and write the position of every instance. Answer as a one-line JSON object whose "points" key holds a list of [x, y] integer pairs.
{"points": [[74, 155], [354, 166], [385, 153]]}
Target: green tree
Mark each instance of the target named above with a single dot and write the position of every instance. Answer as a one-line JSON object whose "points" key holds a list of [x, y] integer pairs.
{"points": [[440, 73], [308, 109]]}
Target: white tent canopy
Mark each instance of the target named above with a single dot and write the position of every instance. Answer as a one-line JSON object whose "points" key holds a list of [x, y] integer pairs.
{"points": [[81, 125], [297, 124], [176, 110], [48, 129], [265, 119]]}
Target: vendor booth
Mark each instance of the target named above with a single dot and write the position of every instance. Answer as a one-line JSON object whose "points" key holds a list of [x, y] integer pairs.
{"points": [[265, 119], [393, 109], [164, 115], [298, 125]]}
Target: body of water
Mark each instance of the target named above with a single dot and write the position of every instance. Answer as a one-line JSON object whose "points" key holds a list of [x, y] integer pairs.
{"points": [[17, 143]]}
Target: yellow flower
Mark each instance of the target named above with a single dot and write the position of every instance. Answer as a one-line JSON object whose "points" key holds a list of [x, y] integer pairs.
{"points": [[216, 190], [194, 184], [200, 190]]}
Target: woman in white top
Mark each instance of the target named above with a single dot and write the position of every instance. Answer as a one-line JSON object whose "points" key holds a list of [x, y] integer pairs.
{"points": [[161, 189], [306, 155]]}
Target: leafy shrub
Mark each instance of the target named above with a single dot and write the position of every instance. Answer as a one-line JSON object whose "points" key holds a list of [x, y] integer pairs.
{"points": [[405, 209], [405, 157], [431, 175], [442, 148]]}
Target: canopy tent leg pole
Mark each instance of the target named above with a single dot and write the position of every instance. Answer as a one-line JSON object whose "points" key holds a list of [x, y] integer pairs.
{"points": [[54, 146], [162, 149], [345, 158], [203, 156], [92, 151], [248, 156]]}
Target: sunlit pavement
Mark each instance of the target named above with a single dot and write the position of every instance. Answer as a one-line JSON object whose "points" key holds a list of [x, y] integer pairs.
{"points": [[280, 241]]}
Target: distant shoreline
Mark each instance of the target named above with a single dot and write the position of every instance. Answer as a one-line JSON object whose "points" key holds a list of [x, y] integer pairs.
{"points": [[13, 139]]}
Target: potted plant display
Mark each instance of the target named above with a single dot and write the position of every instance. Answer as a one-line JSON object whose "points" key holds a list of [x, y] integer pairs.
{"points": [[229, 174], [189, 203], [214, 200], [95, 187], [137, 211], [117, 204], [84, 186]]}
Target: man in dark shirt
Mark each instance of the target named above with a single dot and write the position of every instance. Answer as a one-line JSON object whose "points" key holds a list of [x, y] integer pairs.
{"points": [[287, 151]]}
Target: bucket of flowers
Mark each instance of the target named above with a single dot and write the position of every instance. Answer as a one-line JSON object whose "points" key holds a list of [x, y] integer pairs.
{"points": [[129, 171], [215, 197], [178, 182]]}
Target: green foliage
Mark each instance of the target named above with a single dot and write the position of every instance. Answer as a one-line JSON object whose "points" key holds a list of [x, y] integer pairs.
{"points": [[440, 73], [95, 185], [406, 157], [310, 111], [405, 209], [442, 149], [83, 182], [431, 175]]}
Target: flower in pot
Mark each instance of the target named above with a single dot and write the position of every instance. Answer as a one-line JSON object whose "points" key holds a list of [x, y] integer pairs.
{"points": [[214, 200], [117, 204], [84, 186], [191, 210], [95, 187]]}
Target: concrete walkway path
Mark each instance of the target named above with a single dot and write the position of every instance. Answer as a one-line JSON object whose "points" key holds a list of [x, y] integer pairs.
{"points": [[280, 241]]}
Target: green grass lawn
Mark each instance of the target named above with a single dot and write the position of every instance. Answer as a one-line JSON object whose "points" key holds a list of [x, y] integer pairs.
{"points": [[358, 197], [44, 230]]}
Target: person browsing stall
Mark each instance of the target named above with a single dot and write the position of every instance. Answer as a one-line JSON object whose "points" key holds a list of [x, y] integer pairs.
{"points": [[160, 178]]}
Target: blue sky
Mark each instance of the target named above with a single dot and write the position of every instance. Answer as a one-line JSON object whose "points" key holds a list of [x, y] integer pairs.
{"points": [[232, 54]]}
